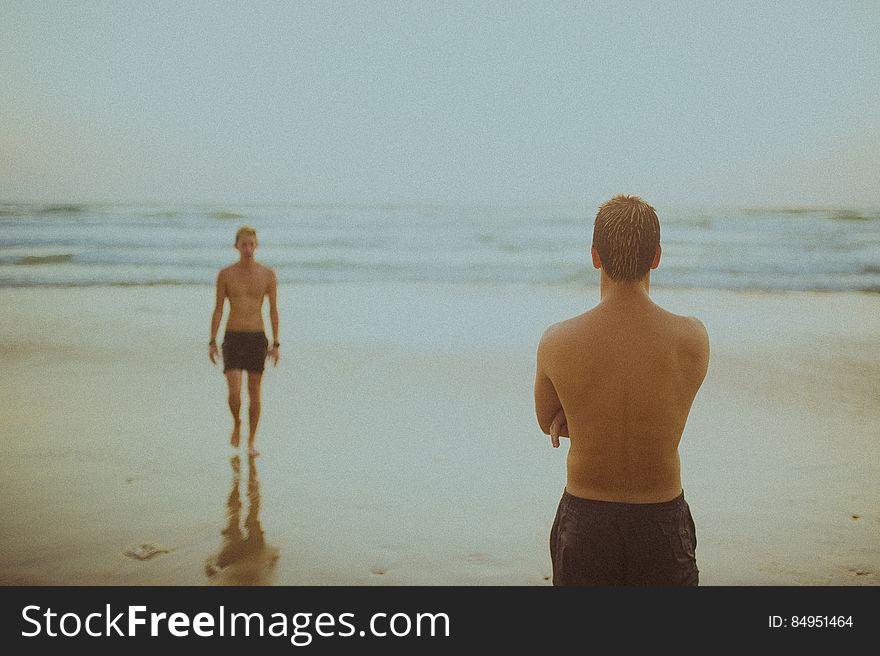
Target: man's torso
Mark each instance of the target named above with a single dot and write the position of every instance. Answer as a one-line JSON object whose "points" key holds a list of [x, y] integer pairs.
{"points": [[245, 287], [626, 377]]}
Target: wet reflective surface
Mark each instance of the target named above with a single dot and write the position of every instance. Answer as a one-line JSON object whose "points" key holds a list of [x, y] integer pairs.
{"points": [[244, 557]]}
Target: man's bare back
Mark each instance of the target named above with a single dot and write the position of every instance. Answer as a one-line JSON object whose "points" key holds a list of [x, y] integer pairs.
{"points": [[625, 374], [619, 380]]}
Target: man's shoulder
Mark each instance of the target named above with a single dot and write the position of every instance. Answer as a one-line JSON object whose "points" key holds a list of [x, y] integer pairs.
{"points": [[683, 322], [690, 332], [562, 331], [266, 271], [555, 331], [695, 325], [691, 327]]}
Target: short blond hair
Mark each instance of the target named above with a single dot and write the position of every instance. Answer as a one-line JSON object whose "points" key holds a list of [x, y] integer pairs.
{"points": [[245, 230], [626, 234]]}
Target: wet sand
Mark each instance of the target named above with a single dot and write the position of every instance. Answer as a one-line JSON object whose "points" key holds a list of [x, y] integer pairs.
{"points": [[399, 441]]}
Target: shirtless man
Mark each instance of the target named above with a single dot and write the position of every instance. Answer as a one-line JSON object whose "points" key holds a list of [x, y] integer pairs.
{"points": [[245, 346], [619, 380]]}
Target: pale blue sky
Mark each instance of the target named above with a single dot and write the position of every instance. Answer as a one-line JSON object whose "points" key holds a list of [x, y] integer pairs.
{"points": [[441, 102]]}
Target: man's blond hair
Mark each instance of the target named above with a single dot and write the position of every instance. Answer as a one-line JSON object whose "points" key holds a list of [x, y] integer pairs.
{"points": [[245, 230], [626, 235]]}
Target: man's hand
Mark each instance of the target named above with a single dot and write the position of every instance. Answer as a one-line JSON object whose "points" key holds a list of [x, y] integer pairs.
{"points": [[274, 355], [558, 428], [212, 353]]}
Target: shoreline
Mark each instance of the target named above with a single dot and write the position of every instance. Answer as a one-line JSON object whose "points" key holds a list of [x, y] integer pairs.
{"points": [[562, 287]]}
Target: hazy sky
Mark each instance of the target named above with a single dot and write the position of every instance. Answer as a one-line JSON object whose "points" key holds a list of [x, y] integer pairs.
{"points": [[437, 102]]}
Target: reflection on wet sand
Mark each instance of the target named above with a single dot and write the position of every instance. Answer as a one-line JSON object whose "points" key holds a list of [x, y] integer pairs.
{"points": [[244, 557]]}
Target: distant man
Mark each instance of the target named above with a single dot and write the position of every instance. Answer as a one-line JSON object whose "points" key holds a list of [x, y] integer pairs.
{"points": [[619, 380], [245, 347]]}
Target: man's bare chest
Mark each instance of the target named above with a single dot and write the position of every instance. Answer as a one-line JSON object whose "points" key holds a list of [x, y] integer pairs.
{"points": [[247, 286]]}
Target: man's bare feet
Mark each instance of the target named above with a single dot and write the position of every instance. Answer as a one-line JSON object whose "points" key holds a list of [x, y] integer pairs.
{"points": [[236, 435]]}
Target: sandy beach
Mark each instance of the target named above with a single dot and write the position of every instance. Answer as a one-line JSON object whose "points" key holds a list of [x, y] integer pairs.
{"points": [[399, 444]]}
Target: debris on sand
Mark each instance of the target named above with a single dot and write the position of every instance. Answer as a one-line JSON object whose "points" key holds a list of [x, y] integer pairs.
{"points": [[145, 552]]}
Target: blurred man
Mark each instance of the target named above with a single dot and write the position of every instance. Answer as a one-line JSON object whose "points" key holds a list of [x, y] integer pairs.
{"points": [[245, 347]]}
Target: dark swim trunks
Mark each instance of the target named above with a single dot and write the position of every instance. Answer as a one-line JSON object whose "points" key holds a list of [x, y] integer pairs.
{"points": [[611, 543], [244, 350]]}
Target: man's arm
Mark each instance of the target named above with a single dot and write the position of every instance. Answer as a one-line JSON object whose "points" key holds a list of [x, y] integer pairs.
{"points": [[272, 292], [217, 316], [703, 341], [548, 407]]}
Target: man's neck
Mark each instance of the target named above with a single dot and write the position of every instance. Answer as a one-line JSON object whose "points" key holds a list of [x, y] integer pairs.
{"points": [[612, 290], [246, 262]]}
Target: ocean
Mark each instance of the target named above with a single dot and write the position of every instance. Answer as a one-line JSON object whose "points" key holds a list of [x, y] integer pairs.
{"points": [[76, 245]]}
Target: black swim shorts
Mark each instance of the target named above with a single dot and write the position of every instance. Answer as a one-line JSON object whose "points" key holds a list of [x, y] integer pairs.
{"points": [[245, 350], [611, 543]]}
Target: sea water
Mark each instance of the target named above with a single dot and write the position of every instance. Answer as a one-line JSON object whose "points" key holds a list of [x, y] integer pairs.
{"points": [[126, 244]]}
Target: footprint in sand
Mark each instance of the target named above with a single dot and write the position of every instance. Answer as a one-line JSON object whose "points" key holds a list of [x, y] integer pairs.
{"points": [[378, 571], [855, 517], [858, 572]]}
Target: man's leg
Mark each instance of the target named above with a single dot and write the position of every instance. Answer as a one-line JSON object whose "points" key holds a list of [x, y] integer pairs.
{"points": [[254, 379], [233, 380]]}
